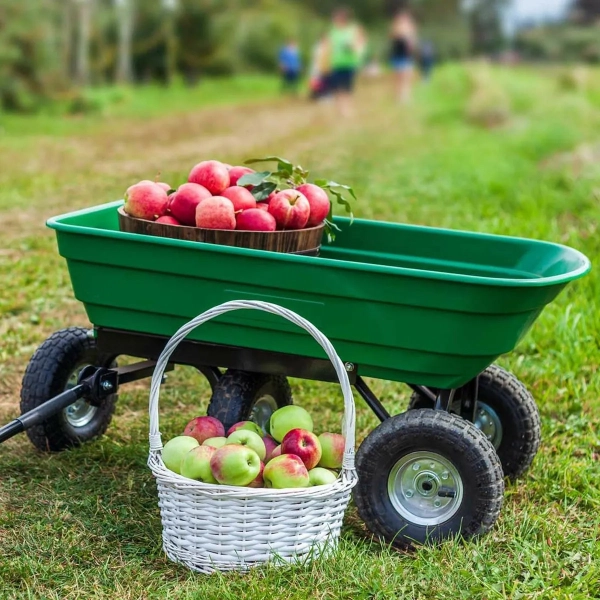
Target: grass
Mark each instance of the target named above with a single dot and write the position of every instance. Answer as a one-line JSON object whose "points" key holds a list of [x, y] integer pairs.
{"points": [[85, 523], [120, 103]]}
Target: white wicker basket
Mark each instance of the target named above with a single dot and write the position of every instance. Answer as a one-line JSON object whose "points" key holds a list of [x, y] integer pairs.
{"points": [[217, 527]]}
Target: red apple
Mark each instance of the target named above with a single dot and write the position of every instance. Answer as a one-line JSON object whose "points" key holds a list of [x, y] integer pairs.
{"points": [[254, 219], [259, 481], [319, 203], [215, 213], [164, 186], [168, 220], [204, 428], [249, 425], [185, 200], [146, 201], [304, 444], [240, 197], [264, 206], [212, 174], [236, 173], [270, 445], [290, 209]]}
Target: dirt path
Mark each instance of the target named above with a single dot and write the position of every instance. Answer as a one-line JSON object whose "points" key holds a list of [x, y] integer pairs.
{"points": [[53, 175], [61, 174]]}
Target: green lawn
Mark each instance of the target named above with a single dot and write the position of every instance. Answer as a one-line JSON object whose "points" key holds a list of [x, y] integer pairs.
{"points": [[85, 523]]}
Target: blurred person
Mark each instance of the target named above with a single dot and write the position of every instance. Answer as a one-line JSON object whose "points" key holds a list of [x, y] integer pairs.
{"points": [[426, 59], [320, 72], [346, 43], [403, 35], [290, 66]]}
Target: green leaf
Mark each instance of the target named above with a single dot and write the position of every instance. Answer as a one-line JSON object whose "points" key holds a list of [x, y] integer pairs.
{"points": [[330, 229], [254, 178], [283, 175], [263, 190], [283, 164], [342, 201], [171, 192], [332, 185]]}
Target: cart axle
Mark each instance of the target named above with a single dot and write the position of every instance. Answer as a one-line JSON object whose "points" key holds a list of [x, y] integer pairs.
{"points": [[43, 411], [94, 384]]}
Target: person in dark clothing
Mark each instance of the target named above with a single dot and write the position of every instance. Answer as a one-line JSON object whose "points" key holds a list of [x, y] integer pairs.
{"points": [[403, 43], [426, 59]]}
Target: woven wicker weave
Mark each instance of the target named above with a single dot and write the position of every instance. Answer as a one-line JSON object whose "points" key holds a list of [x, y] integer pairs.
{"points": [[218, 527]]}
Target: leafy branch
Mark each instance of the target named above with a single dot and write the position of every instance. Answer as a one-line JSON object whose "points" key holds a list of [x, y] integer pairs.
{"points": [[287, 175]]}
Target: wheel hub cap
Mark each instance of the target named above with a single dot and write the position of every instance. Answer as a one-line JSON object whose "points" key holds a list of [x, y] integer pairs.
{"points": [[425, 488], [487, 420], [262, 410], [80, 413]]}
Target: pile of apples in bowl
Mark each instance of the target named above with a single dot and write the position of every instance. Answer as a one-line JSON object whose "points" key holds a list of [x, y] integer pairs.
{"points": [[219, 196], [292, 456]]}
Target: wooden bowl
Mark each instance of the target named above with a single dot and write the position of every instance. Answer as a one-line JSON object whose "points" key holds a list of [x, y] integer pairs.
{"points": [[293, 241]]}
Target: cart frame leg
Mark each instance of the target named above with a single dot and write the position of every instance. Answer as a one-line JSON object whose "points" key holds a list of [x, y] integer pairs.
{"points": [[371, 399], [443, 399]]}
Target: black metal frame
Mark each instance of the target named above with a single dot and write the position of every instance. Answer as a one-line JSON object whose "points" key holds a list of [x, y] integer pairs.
{"points": [[96, 384], [204, 355], [93, 383]]}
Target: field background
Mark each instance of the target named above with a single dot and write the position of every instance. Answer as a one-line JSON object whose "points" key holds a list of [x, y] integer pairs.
{"points": [[85, 523]]}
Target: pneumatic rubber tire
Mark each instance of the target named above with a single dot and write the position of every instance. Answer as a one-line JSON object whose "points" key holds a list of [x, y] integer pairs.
{"points": [[51, 367], [446, 439], [242, 396], [517, 412]]}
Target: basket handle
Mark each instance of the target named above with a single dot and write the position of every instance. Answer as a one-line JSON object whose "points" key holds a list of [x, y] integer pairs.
{"points": [[348, 422]]}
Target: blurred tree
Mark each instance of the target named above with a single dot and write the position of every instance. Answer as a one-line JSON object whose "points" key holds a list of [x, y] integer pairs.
{"points": [[84, 29], [171, 42], [124, 15], [586, 12], [31, 69], [367, 11], [559, 42], [485, 17]]}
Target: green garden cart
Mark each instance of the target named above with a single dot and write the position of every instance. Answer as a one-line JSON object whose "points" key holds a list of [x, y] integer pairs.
{"points": [[429, 307]]}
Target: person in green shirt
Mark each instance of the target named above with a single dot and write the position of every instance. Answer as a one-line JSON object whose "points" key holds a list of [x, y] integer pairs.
{"points": [[346, 46]]}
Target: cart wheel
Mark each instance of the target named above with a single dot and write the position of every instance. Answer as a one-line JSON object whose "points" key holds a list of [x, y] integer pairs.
{"points": [[425, 476], [54, 368], [506, 412], [241, 396]]}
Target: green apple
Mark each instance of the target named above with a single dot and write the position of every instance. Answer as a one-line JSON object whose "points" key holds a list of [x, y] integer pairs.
{"points": [[216, 442], [287, 418], [245, 437], [196, 464], [285, 471], [234, 464], [259, 481], [320, 476], [332, 450], [175, 450], [247, 425]]}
